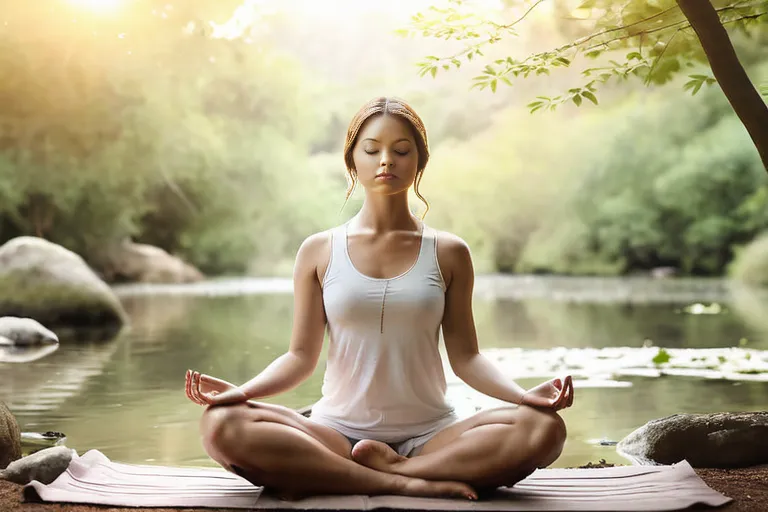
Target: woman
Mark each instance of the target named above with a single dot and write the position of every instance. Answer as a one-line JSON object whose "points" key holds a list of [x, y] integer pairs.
{"points": [[384, 284]]}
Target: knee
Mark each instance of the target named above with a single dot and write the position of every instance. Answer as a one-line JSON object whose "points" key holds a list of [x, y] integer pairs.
{"points": [[220, 426], [550, 435], [546, 427]]}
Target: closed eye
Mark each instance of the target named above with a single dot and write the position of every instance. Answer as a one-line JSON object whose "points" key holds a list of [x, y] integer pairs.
{"points": [[401, 153]]}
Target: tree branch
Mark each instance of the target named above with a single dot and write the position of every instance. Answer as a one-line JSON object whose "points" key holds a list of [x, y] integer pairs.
{"points": [[730, 74], [521, 18]]}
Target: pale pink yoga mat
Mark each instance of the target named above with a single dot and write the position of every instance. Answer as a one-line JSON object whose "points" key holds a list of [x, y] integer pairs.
{"points": [[94, 479]]}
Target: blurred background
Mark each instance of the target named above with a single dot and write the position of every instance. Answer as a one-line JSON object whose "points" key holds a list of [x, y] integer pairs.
{"points": [[213, 130]]}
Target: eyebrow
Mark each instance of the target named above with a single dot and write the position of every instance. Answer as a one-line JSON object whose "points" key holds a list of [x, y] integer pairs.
{"points": [[398, 140]]}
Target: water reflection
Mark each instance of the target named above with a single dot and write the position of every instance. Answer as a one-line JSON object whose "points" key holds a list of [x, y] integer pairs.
{"points": [[25, 354], [45, 385], [126, 397]]}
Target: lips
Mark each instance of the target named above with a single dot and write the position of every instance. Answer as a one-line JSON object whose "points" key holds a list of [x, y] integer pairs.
{"points": [[385, 176]]}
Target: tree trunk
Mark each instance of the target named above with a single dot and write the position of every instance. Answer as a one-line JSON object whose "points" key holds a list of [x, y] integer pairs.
{"points": [[729, 72]]}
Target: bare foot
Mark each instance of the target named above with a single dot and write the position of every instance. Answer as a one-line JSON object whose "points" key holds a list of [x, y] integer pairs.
{"points": [[431, 489], [376, 455]]}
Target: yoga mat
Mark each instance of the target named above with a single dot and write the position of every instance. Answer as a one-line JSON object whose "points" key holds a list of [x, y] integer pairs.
{"points": [[93, 479]]}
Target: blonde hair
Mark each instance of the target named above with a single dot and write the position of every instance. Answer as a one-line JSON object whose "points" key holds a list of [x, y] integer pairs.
{"points": [[394, 107]]}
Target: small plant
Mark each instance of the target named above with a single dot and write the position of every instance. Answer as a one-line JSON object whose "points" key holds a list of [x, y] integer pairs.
{"points": [[661, 357]]}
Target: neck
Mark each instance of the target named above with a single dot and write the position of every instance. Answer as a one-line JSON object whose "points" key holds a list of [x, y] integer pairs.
{"points": [[382, 213]]}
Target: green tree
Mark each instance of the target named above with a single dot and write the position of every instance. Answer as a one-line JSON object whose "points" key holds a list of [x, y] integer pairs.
{"points": [[654, 40], [145, 124]]}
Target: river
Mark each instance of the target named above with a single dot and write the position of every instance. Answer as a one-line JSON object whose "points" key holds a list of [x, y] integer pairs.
{"points": [[125, 397]]}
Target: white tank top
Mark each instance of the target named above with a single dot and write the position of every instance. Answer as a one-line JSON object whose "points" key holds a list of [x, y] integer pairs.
{"points": [[384, 376]]}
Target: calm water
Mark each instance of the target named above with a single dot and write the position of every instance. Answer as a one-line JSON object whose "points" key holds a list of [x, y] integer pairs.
{"points": [[125, 397]]}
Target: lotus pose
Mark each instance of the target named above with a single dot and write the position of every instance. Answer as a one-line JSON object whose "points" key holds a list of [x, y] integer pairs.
{"points": [[383, 284]]}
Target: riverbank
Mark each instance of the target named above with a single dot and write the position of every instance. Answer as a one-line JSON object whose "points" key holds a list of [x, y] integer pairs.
{"points": [[747, 486]]}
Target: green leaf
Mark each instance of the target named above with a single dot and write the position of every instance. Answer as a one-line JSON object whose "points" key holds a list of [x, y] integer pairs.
{"points": [[591, 97], [634, 55], [577, 100], [593, 54], [433, 71], [563, 60], [493, 85], [661, 357], [694, 85]]}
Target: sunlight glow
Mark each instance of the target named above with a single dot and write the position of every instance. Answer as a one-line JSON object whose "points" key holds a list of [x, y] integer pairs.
{"points": [[252, 13], [98, 6]]}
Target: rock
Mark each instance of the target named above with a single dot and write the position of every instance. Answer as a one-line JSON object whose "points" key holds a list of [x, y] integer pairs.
{"points": [[25, 332], [44, 466], [142, 263], [719, 440], [23, 340], [44, 281], [10, 437]]}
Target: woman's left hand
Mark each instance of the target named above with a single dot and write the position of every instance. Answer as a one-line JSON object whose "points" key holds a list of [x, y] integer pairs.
{"points": [[554, 394]]}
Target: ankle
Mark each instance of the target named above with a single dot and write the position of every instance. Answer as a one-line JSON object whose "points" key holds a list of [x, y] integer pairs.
{"points": [[399, 483]]}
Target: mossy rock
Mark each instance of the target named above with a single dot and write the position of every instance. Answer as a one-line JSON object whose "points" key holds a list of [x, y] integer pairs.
{"points": [[10, 437], [53, 285]]}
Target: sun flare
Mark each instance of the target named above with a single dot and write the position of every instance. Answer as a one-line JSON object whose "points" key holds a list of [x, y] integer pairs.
{"points": [[98, 6]]}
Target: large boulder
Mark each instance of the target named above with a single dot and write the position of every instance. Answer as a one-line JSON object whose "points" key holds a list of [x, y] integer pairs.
{"points": [[142, 263], [53, 285], [719, 440], [10, 437], [25, 332]]}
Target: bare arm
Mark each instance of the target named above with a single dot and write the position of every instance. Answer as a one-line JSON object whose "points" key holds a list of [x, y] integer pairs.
{"points": [[295, 366], [459, 325]]}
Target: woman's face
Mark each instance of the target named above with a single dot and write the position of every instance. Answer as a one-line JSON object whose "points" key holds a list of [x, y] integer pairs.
{"points": [[385, 155]]}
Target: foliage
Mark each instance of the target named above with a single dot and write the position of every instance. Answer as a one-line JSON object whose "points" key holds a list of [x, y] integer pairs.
{"points": [[227, 150], [653, 180], [149, 128], [661, 357], [646, 39]]}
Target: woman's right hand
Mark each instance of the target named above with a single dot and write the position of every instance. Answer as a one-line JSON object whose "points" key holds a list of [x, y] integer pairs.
{"points": [[206, 390]]}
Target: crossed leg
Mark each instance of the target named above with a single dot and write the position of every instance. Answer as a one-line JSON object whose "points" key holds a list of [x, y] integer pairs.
{"points": [[497, 447], [276, 447]]}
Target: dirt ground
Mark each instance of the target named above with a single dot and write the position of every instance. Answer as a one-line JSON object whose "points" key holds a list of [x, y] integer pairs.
{"points": [[747, 486]]}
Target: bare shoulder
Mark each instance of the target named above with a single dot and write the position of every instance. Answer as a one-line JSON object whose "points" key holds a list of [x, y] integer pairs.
{"points": [[313, 254], [453, 256]]}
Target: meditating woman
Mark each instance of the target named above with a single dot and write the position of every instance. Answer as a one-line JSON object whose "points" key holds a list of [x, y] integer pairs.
{"points": [[384, 284]]}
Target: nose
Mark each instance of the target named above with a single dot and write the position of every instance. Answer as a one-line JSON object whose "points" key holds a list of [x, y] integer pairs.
{"points": [[386, 159]]}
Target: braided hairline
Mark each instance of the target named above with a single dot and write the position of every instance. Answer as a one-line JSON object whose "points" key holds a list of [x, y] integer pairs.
{"points": [[397, 108]]}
